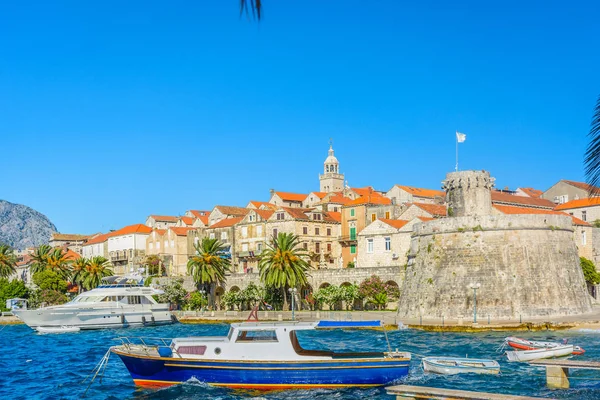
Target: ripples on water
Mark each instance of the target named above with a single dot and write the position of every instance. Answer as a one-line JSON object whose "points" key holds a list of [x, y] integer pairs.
{"points": [[34, 366]]}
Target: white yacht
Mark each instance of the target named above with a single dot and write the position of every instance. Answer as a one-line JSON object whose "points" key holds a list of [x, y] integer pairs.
{"points": [[119, 302]]}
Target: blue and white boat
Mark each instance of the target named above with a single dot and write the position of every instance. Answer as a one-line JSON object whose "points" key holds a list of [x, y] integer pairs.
{"points": [[260, 356], [456, 365]]}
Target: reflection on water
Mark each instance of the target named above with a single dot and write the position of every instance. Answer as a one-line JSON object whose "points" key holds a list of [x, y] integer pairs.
{"points": [[38, 366]]}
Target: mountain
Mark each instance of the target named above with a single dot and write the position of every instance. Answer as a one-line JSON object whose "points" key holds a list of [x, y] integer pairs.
{"points": [[22, 226]]}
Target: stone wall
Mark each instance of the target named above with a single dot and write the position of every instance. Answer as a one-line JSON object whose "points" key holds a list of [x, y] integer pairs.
{"points": [[468, 193], [523, 264]]}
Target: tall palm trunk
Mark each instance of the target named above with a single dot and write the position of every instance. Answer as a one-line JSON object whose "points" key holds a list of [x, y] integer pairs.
{"points": [[285, 303]]}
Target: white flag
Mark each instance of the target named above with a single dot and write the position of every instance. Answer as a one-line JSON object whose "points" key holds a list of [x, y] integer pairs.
{"points": [[460, 137]]}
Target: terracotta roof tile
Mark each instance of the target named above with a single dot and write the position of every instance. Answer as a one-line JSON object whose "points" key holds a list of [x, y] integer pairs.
{"points": [[187, 220], [337, 199], [296, 213], [419, 192], [320, 195], [200, 213], [528, 210], [68, 236], [265, 214], [395, 223], [258, 204], [587, 202], [287, 196], [71, 255], [164, 218], [364, 191], [159, 231], [230, 210], [531, 192], [369, 199], [335, 216], [581, 185], [505, 198], [433, 209], [425, 219], [226, 223], [204, 219], [181, 230], [130, 229], [97, 239]]}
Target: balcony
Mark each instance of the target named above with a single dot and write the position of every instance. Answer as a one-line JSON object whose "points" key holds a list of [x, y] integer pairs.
{"points": [[119, 258], [247, 254], [347, 240]]}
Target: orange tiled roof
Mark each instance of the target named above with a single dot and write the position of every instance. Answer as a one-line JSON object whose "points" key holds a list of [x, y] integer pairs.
{"points": [[71, 255], [425, 219], [200, 213], [296, 213], [336, 216], [531, 192], [527, 210], [287, 196], [586, 202], [395, 223], [320, 195], [258, 204], [337, 199], [130, 229], [160, 231], [265, 214], [364, 191], [97, 239], [419, 192], [582, 185], [433, 209], [226, 223], [499, 197], [68, 236], [204, 219], [231, 210], [26, 260], [369, 199], [164, 218], [187, 220], [181, 230]]}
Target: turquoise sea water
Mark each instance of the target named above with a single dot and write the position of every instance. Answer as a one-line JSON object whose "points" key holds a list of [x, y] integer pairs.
{"points": [[35, 366]]}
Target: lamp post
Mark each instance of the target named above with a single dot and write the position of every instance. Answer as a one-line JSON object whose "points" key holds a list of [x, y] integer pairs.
{"points": [[293, 293], [475, 287], [202, 292]]}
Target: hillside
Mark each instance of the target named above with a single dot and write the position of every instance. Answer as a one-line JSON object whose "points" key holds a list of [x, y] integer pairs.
{"points": [[22, 226]]}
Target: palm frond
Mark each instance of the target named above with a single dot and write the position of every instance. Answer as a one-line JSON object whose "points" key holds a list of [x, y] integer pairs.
{"points": [[251, 6], [592, 154]]}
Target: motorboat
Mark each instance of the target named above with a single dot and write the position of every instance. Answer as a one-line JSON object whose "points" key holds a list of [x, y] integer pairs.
{"points": [[524, 344], [57, 329], [537, 354], [259, 356], [455, 365], [118, 302]]}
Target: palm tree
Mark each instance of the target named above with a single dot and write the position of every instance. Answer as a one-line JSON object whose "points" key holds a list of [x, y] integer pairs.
{"points": [[209, 265], [283, 264], [78, 269], [40, 258], [96, 269], [8, 261], [58, 262], [255, 6], [592, 155]]}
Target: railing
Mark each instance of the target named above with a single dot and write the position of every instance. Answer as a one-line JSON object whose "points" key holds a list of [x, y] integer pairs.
{"points": [[119, 258], [347, 238]]}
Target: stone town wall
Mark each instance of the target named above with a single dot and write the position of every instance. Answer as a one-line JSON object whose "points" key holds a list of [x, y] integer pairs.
{"points": [[524, 264], [468, 193]]}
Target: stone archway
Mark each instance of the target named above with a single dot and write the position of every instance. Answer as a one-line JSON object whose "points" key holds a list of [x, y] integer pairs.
{"points": [[219, 292], [393, 303]]}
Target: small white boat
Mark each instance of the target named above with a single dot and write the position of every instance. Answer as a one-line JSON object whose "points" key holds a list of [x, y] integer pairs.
{"points": [[524, 344], [57, 329], [455, 365], [549, 352]]}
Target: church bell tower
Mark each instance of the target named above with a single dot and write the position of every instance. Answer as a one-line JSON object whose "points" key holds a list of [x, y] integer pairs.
{"points": [[331, 180]]}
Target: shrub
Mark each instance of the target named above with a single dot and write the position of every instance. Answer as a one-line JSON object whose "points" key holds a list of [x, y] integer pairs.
{"points": [[589, 271]]}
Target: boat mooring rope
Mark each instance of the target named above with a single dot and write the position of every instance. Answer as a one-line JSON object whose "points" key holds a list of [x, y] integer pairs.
{"points": [[101, 366]]}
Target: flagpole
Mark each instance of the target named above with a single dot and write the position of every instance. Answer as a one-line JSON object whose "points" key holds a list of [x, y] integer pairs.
{"points": [[456, 138]]}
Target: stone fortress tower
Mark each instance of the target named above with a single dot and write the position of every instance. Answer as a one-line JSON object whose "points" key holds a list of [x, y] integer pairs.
{"points": [[522, 265], [331, 180]]}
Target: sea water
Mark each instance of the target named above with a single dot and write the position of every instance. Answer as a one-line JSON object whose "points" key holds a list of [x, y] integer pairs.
{"points": [[53, 366]]}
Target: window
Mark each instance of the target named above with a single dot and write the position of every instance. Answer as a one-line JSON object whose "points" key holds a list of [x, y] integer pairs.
{"points": [[369, 245], [352, 233], [244, 246], [583, 238], [317, 231], [353, 249], [151, 245], [335, 209], [196, 239], [388, 244], [305, 230], [352, 212], [259, 247], [305, 246], [317, 217], [317, 247], [212, 235], [259, 230], [157, 245], [223, 235], [257, 336], [329, 247], [244, 231], [387, 215], [275, 233], [584, 215], [166, 244], [251, 218], [373, 217], [280, 216], [172, 243], [328, 231]]}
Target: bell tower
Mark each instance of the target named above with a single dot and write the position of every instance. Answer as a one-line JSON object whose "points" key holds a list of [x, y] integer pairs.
{"points": [[331, 180]]}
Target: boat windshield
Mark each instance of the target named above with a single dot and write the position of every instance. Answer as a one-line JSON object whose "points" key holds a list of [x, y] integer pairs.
{"points": [[83, 298]]}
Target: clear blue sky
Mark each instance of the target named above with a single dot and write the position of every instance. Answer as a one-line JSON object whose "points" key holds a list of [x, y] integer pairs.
{"points": [[114, 110]]}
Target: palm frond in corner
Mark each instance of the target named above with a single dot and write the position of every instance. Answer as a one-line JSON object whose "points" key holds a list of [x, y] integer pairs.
{"points": [[592, 154], [251, 6]]}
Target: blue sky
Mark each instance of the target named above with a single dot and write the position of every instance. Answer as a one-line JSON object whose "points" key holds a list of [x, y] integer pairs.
{"points": [[111, 110]]}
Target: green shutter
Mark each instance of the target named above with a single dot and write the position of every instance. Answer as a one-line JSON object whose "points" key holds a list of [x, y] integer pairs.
{"points": [[352, 233], [352, 212], [353, 249]]}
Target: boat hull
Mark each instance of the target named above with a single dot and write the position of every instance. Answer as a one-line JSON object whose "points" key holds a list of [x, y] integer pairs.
{"points": [[264, 375], [529, 355], [522, 344], [463, 366]]}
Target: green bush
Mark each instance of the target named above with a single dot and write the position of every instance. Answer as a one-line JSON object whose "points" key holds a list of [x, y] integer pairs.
{"points": [[50, 280], [589, 271], [11, 290]]}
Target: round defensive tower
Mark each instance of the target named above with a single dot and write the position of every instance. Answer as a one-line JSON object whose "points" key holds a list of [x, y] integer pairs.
{"points": [[521, 265]]}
